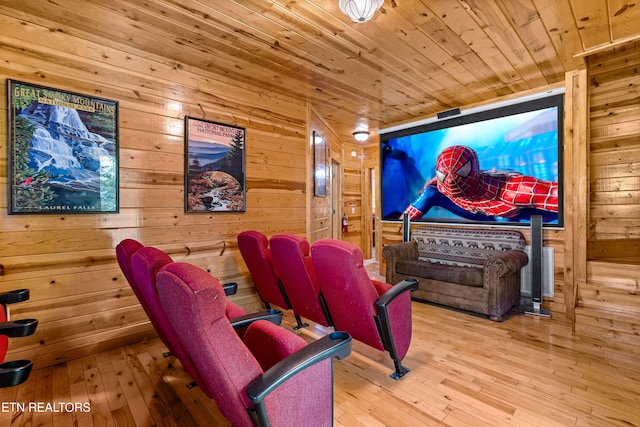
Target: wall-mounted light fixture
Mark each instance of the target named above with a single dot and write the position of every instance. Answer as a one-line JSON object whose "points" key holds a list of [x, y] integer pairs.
{"points": [[361, 135], [360, 10]]}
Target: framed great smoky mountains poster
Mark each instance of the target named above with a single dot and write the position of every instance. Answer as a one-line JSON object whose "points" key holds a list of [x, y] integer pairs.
{"points": [[214, 167], [63, 151]]}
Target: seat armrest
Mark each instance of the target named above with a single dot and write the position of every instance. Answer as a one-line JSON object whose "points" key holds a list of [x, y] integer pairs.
{"points": [[14, 372], [383, 321], [385, 299], [230, 288], [271, 315], [18, 328], [336, 344], [11, 297], [510, 261]]}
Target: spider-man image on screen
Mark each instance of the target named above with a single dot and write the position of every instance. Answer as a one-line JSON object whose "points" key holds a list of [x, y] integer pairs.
{"points": [[502, 170], [490, 193]]}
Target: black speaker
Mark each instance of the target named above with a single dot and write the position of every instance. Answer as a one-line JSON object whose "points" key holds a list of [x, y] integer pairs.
{"points": [[406, 227], [448, 113], [536, 258], [536, 269]]}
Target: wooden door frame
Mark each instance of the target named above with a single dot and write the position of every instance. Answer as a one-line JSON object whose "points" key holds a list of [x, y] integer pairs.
{"points": [[335, 176]]}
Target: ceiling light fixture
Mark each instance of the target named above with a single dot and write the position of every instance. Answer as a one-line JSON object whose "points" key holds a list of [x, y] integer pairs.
{"points": [[361, 135], [359, 10]]}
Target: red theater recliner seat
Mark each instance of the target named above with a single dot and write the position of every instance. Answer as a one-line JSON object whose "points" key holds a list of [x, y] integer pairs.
{"points": [[140, 265], [292, 385], [145, 264], [14, 372], [255, 251], [292, 259], [373, 312]]}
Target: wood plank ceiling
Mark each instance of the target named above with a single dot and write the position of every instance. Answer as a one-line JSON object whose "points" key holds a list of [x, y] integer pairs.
{"points": [[412, 60]]}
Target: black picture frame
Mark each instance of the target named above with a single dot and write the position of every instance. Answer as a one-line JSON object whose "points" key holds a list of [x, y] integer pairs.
{"points": [[215, 178], [62, 151], [320, 172]]}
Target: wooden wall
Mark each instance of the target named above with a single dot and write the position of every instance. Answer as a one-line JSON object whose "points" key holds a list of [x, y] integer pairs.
{"points": [[323, 222], [352, 189], [78, 293], [371, 199], [607, 300], [614, 153]]}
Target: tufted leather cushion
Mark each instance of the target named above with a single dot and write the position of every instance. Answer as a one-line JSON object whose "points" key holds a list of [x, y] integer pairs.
{"points": [[469, 276]]}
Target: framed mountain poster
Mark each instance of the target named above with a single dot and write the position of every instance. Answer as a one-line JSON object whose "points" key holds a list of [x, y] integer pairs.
{"points": [[214, 167], [63, 151]]}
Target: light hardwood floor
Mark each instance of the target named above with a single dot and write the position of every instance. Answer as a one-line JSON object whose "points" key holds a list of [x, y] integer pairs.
{"points": [[465, 371]]}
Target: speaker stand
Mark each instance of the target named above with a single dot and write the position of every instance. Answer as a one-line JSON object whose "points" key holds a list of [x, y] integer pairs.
{"points": [[535, 310], [536, 270], [406, 227]]}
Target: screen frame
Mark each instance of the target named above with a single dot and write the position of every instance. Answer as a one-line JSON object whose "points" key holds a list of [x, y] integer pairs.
{"points": [[487, 113]]}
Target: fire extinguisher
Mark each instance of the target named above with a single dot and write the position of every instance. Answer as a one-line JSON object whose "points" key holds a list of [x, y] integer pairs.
{"points": [[345, 224]]}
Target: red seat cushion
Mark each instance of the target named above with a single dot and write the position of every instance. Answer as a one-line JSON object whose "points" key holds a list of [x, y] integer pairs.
{"points": [[4, 340]]}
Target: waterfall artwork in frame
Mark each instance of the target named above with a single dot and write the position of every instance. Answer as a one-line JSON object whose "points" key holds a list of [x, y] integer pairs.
{"points": [[63, 151], [214, 167]]}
